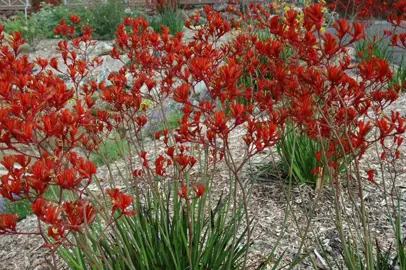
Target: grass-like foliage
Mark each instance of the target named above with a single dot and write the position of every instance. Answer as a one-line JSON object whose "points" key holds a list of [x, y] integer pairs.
{"points": [[158, 237], [366, 49], [399, 76], [22, 208], [169, 19], [110, 150], [297, 153], [105, 18]]}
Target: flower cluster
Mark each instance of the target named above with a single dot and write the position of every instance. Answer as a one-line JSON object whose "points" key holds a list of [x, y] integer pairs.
{"points": [[42, 130]]}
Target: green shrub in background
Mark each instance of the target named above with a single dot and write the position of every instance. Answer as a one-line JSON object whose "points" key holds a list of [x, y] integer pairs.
{"points": [[297, 152], [31, 30], [170, 19], [110, 150], [366, 49], [173, 120], [22, 208], [382, 50], [399, 76], [104, 19]]}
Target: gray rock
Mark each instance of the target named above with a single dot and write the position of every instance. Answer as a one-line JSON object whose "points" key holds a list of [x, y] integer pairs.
{"points": [[2, 205], [102, 49], [220, 7], [200, 89], [182, 15], [202, 20]]}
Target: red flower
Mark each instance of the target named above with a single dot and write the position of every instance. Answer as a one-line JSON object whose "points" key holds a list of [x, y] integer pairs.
{"points": [[79, 213], [86, 168], [68, 179], [318, 155], [181, 93], [200, 190], [183, 192], [143, 155], [75, 19], [38, 207], [120, 201], [51, 214], [371, 176], [160, 166], [313, 16], [183, 161], [56, 231], [63, 29], [137, 173], [46, 212], [8, 222]]}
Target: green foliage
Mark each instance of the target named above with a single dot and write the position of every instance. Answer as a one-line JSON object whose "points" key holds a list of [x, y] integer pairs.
{"points": [[173, 119], [169, 19], [18, 24], [389, 259], [383, 258], [49, 17], [264, 35], [159, 237], [105, 19], [110, 151], [31, 30], [399, 77], [22, 208], [366, 49], [297, 152]]}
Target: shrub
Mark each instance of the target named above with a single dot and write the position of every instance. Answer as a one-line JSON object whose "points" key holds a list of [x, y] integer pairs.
{"points": [[105, 19], [169, 19], [21, 208], [157, 237], [366, 49], [110, 150], [399, 77], [298, 153], [31, 30], [49, 16]]}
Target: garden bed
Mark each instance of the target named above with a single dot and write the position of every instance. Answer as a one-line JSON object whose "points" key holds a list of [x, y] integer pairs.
{"points": [[288, 215]]}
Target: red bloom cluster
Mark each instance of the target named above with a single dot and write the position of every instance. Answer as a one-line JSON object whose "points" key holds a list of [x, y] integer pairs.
{"points": [[43, 131], [121, 201], [8, 223], [199, 190]]}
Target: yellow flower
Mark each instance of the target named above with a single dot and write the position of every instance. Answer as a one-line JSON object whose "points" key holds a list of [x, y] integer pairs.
{"points": [[145, 104]]}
